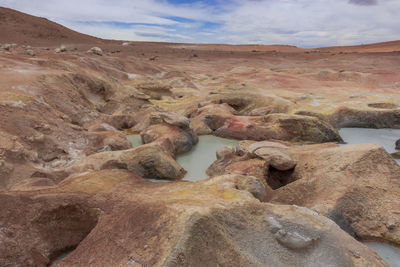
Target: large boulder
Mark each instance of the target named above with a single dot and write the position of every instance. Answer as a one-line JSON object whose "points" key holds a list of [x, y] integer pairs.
{"points": [[358, 186], [182, 139], [149, 161], [221, 121], [114, 218]]}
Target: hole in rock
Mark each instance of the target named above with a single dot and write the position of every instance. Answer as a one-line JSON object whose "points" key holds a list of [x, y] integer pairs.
{"points": [[64, 227], [276, 178]]}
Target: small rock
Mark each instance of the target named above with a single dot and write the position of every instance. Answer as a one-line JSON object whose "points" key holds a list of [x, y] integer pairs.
{"points": [[96, 51], [126, 44], [31, 52], [276, 158], [8, 47], [60, 49], [253, 185], [398, 144], [225, 151]]}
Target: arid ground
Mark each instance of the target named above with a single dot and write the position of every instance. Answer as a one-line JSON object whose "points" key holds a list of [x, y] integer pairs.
{"points": [[287, 195]]}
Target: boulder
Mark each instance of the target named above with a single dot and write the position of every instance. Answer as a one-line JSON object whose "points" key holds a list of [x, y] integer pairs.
{"points": [[276, 158], [182, 139], [358, 186], [95, 51], [149, 161], [225, 151], [221, 121], [30, 52], [60, 49], [207, 223]]}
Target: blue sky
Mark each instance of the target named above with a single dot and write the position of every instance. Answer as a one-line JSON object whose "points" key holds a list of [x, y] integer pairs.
{"points": [[304, 23]]}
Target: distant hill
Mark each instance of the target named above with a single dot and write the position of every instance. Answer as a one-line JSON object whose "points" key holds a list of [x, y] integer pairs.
{"points": [[377, 47], [21, 28]]}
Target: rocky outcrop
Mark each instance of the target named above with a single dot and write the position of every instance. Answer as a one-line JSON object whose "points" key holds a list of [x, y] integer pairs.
{"points": [[182, 224], [182, 140], [359, 191], [372, 117], [355, 185], [150, 161], [219, 120], [250, 101]]}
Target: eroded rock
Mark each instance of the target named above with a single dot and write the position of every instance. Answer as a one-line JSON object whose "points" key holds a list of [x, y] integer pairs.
{"points": [[182, 224]]}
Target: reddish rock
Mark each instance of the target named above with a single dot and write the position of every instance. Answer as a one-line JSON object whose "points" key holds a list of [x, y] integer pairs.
{"points": [[195, 224]]}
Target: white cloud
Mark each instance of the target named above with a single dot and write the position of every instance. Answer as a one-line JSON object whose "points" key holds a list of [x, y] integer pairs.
{"points": [[303, 23]]}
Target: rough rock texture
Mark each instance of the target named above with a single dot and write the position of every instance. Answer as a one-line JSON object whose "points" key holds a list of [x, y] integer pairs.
{"points": [[360, 191], [182, 139], [358, 186], [182, 224], [221, 121], [149, 161]]}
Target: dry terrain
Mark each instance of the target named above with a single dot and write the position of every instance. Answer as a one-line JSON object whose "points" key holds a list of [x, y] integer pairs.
{"points": [[70, 180]]}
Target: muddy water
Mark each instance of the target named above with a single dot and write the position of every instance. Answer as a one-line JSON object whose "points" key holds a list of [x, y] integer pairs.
{"points": [[197, 160], [384, 137], [135, 139], [388, 253]]}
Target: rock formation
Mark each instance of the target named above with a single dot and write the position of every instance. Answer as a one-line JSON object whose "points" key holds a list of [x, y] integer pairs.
{"points": [[182, 224]]}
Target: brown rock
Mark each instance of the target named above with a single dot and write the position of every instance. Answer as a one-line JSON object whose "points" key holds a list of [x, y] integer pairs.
{"points": [[194, 224], [149, 161], [355, 185], [276, 158]]}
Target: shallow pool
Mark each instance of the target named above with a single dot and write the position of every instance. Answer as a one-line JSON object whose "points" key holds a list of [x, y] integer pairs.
{"points": [[388, 253], [197, 160], [202, 155], [384, 137], [135, 139]]}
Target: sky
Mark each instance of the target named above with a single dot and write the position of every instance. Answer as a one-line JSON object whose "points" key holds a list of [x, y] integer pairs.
{"points": [[303, 23]]}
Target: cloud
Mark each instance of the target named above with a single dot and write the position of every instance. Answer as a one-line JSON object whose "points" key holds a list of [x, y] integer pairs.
{"points": [[305, 23], [364, 2]]}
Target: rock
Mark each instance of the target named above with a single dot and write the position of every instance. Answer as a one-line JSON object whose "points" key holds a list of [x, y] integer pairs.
{"points": [[95, 51], [126, 44], [359, 191], [30, 52], [207, 223], [8, 47], [60, 49], [182, 139], [265, 144], [276, 158], [225, 151], [221, 121], [149, 161], [253, 185], [398, 144], [260, 111], [243, 146], [175, 119]]}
